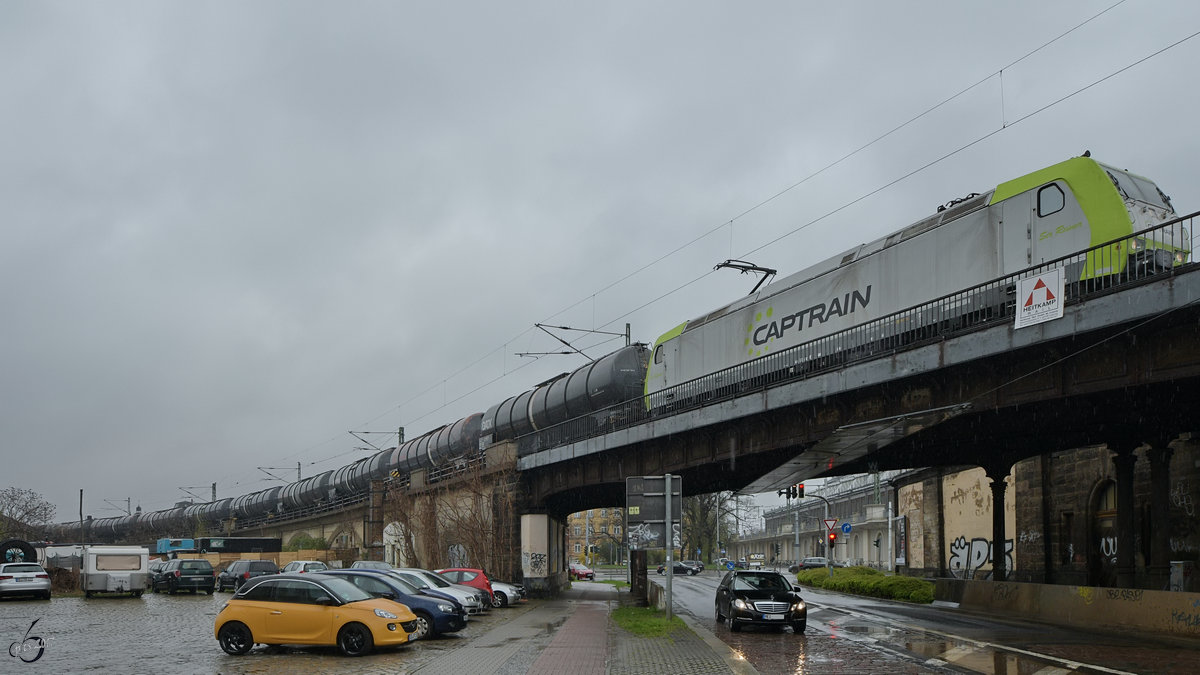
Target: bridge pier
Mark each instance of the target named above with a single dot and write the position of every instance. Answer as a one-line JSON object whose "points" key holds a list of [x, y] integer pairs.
{"points": [[998, 477], [543, 554], [1160, 512], [1123, 461]]}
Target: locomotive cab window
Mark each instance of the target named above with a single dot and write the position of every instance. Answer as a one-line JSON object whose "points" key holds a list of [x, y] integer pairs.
{"points": [[658, 357], [1050, 199]]}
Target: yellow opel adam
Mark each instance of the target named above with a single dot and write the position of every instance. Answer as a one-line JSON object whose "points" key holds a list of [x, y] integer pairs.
{"points": [[311, 609]]}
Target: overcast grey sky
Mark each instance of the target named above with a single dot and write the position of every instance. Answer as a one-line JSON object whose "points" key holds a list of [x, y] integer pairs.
{"points": [[233, 232]]}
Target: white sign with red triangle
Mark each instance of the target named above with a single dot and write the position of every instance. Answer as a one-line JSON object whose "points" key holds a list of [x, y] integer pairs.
{"points": [[1040, 298], [830, 523]]}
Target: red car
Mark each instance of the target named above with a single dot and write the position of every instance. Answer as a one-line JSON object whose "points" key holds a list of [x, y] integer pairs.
{"points": [[469, 577], [578, 571]]}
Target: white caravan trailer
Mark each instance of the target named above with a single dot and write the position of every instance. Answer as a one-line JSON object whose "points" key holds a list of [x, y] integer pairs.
{"points": [[114, 569]]}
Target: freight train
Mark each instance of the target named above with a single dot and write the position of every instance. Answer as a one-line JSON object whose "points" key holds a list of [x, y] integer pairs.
{"points": [[1039, 217]]}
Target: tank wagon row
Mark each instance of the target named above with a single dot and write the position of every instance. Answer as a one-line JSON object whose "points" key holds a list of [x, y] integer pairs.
{"points": [[1040, 217], [610, 380]]}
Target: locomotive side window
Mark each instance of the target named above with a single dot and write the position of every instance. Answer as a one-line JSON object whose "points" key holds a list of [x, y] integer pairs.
{"points": [[658, 357], [1050, 199]]}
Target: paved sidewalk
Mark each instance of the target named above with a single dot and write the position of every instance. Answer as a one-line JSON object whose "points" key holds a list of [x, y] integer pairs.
{"points": [[573, 634]]}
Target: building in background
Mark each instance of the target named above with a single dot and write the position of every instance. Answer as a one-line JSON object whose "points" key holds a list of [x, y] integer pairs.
{"points": [[597, 536]]}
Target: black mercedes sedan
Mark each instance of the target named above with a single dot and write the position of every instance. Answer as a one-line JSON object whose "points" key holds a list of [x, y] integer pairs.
{"points": [[755, 597]]}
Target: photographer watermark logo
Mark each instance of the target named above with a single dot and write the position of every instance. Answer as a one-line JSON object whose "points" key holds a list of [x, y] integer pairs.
{"points": [[29, 648]]}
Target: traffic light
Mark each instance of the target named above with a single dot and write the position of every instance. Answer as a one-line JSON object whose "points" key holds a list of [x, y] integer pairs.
{"points": [[832, 538], [800, 490]]}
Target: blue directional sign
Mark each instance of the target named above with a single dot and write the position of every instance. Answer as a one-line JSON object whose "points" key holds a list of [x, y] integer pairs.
{"points": [[729, 565], [845, 528]]}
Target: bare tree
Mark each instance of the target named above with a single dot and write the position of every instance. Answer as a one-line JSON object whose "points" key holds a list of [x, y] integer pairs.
{"points": [[24, 514], [705, 515]]}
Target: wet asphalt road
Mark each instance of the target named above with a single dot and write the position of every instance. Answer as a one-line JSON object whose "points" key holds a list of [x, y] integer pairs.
{"points": [[856, 634]]}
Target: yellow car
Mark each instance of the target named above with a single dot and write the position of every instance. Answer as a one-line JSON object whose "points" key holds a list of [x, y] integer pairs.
{"points": [[311, 609]]}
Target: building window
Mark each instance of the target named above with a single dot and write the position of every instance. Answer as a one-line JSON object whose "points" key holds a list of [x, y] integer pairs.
{"points": [[617, 530], [603, 529], [578, 531], [603, 513], [578, 547]]}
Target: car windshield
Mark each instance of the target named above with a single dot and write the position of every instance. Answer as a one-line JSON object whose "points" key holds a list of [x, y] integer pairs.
{"points": [[345, 591], [435, 579], [404, 585], [413, 579], [760, 582]]}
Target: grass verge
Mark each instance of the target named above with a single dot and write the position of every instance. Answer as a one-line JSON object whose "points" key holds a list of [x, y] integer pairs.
{"points": [[646, 621]]}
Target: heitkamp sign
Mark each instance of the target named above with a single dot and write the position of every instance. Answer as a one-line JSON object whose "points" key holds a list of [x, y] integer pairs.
{"points": [[1040, 298]]}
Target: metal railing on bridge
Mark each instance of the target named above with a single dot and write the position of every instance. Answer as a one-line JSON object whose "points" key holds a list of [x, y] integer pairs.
{"points": [[1145, 256]]}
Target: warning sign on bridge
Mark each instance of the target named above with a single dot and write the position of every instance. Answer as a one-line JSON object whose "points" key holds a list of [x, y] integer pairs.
{"points": [[1040, 298]]}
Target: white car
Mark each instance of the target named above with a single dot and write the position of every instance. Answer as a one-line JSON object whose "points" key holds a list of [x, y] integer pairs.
{"points": [[302, 566], [24, 578], [470, 600]]}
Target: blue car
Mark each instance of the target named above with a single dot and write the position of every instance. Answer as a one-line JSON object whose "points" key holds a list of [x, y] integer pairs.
{"points": [[435, 615]]}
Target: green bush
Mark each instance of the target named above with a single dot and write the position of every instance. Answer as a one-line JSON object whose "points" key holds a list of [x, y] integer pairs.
{"points": [[870, 582]]}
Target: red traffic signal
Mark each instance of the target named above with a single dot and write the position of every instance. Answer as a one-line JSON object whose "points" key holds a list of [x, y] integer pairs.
{"points": [[832, 537]]}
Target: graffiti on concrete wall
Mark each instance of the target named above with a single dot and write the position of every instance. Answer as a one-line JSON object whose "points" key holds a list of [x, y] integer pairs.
{"points": [[972, 495], [1108, 547], [968, 556], [1181, 497], [535, 563]]}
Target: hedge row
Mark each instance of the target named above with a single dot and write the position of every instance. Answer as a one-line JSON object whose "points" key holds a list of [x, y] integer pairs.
{"points": [[868, 581]]}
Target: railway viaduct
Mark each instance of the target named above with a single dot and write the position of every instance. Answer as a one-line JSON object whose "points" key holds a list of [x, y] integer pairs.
{"points": [[1119, 368]]}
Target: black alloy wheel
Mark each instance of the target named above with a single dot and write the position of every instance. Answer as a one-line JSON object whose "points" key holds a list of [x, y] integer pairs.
{"points": [[235, 638], [354, 639]]}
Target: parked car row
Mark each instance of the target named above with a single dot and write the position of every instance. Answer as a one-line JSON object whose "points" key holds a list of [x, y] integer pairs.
{"points": [[355, 609]]}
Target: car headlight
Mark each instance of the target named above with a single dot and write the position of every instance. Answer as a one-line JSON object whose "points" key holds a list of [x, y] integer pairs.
{"points": [[740, 604], [799, 606], [448, 609], [384, 614]]}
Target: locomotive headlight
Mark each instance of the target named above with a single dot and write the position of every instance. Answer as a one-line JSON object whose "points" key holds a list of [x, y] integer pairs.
{"points": [[1180, 257], [1137, 244]]}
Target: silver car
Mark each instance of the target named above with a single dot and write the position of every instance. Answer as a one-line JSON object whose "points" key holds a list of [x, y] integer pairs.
{"points": [[469, 599], [23, 578], [505, 594]]}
